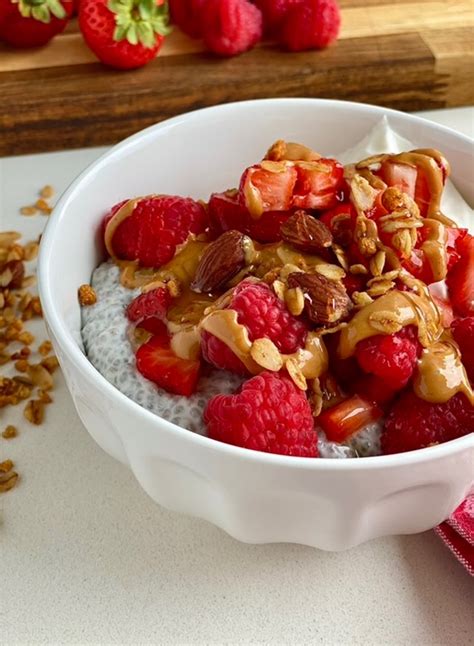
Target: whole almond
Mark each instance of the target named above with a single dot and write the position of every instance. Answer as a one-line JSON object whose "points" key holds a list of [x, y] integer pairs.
{"points": [[326, 301], [220, 262], [305, 233]]}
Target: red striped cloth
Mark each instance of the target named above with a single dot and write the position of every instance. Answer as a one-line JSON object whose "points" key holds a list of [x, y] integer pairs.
{"points": [[458, 533]]}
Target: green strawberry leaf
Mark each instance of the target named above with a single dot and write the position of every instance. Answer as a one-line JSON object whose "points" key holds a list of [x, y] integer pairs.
{"points": [[56, 9], [41, 13], [132, 35], [138, 21]]}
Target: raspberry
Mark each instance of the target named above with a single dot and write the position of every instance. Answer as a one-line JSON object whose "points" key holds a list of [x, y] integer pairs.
{"points": [[264, 315], [463, 333], [154, 303], [414, 423], [391, 357], [156, 226], [274, 13], [230, 27], [312, 24], [269, 414], [218, 354], [187, 15]]}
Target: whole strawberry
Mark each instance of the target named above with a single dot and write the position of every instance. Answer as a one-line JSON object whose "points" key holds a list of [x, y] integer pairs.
{"points": [[32, 23], [124, 34], [230, 27], [311, 24], [186, 14]]}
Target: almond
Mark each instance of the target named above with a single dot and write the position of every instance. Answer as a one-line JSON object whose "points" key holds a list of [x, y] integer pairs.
{"points": [[220, 262], [326, 301], [305, 233]]}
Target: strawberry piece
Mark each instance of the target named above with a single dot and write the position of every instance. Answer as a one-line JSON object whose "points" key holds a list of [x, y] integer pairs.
{"points": [[415, 424], [155, 228], [311, 24], [230, 27], [186, 14], [227, 213], [460, 279], [318, 184], [348, 417], [158, 363], [264, 190], [124, 34], [403, 176], [33, 23], [463, 333], [152, 304], [268, 414]]}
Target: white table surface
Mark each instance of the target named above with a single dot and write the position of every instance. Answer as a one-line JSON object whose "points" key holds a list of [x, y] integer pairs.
{"points": [[86, 557]]}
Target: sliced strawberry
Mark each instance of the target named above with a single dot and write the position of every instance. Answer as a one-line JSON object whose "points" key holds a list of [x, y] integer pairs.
{"points": [[454, 236], [348, 417], [403, 176], [157, 362], [460, 279], [154, 303], [267, 227], [267, 190], [318, 184], [418, 266]]}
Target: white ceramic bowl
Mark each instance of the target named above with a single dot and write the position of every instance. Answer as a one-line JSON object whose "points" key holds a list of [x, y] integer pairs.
{"points": [[255, 497]]}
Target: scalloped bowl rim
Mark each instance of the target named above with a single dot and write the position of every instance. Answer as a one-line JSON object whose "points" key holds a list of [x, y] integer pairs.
{"points": [[71, 348]]}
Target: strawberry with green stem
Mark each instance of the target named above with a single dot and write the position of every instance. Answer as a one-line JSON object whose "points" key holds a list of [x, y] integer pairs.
{"points": [[124, 34], [33, 23]]}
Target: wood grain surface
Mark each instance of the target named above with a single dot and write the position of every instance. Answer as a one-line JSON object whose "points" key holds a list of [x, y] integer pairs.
{"points": [[405, 54]]}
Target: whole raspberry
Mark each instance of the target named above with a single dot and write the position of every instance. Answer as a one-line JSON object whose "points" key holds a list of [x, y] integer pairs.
{"points": [[274, 13], [264, 315], [414, 423], [156, 226], [312, 24], [269, 414], [230, 27], [218, 354], [187, 15], [391, 357], [463, 333], [154, 303]]}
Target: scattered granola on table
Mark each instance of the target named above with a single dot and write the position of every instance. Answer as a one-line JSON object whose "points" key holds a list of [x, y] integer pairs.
{"points": [[26, 369]]}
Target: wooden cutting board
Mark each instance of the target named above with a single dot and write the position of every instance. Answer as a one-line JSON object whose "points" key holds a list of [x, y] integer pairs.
{"points": [[410, 55]]}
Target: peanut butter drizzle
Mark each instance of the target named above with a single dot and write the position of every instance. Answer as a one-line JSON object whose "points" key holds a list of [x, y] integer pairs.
{"points": [[224, 325], [426, 160], [407, 308], [440, 374], [311, 360], [434, 248], [181, 267]]}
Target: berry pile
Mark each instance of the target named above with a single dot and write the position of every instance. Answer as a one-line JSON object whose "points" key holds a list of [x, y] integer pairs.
{"points": [[230, 27], [313, 282], [126, 34]]}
